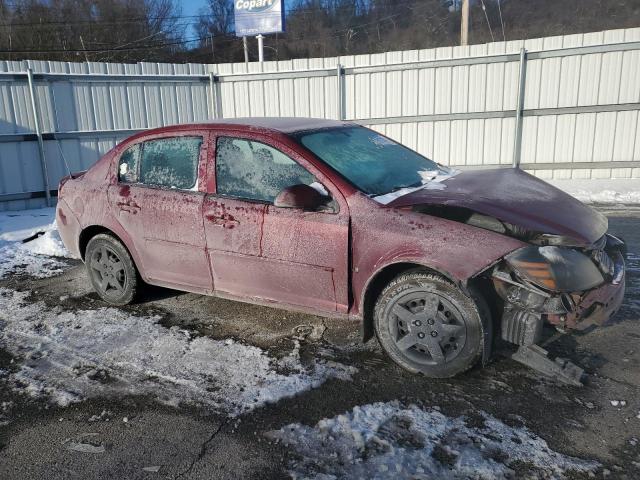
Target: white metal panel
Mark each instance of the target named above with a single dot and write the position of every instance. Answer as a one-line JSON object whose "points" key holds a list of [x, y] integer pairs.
{"points": [[625, 130], [458, 142], [425, 139], [546, 141], [475, 142], [492, 141], [564, 138], [506, 147], [585, 134], [441, 143], [591, 79]]}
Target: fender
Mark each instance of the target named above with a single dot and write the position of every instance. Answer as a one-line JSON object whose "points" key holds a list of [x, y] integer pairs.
{"points": [[121, 234]]}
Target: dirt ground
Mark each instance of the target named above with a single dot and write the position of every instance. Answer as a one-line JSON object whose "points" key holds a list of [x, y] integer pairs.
{"points": [[600, 421]]}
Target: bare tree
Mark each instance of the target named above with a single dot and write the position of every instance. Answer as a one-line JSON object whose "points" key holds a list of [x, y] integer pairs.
{"points": [[116, 30]]}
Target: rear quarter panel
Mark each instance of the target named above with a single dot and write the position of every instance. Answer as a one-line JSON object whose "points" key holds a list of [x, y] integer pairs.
{"points": [[86, 198]]}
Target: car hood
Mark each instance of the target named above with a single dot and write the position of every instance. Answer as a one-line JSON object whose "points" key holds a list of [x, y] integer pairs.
{"points": [[516, 197]]}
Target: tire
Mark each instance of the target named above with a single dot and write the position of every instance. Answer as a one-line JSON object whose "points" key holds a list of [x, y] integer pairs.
{"points": [[439, 345], [111, 270]]}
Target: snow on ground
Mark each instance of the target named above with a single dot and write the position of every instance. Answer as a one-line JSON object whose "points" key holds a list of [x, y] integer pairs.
{"points": [[38, 257], [71, 356], [387, 440], [610, 191]]}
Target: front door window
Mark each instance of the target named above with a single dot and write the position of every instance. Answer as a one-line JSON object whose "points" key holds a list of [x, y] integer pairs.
{"points": [[251, 170]]}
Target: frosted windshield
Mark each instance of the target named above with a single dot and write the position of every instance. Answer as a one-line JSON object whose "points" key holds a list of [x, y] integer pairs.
{"points": [[372, 162]]}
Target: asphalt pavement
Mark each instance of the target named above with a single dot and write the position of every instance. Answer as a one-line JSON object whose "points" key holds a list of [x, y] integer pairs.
{"points": [[137, 437]]}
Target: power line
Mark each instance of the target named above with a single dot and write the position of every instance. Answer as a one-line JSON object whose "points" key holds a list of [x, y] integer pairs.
{"points": [[484, 9], [504, 38]]}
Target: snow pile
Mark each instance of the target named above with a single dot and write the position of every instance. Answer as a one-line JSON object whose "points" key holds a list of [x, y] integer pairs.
{"points": [[18, 225], [610, 191], [34, 257], [71, 356], [387, 440]]}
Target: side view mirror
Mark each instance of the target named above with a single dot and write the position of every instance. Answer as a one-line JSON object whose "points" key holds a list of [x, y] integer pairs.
{"points": [[300, 196]]}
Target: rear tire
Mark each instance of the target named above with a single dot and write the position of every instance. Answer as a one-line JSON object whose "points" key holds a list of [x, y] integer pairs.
{"points": [[111, 270], [427, 325]]}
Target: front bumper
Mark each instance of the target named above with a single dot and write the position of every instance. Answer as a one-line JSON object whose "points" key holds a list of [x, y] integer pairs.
{"points": [[527, 307], [597, 306]]}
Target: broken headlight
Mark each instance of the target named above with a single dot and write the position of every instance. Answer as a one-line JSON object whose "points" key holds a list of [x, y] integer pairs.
{"points": [[558, 269]]}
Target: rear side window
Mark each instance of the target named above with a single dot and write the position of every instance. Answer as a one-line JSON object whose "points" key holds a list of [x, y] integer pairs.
{"points": [[255, 171], [170, 162], [128, 165]]}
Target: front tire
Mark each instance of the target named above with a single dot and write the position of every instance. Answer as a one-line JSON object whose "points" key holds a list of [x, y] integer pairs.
{"points": [[111, 270], [427, 325]]}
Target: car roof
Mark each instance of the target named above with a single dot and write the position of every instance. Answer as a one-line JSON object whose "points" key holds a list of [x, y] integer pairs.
{"points": [[282, 124]]}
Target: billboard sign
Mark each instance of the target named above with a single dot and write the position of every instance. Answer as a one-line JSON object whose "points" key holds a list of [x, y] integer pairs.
{"points": [[253, 17]]}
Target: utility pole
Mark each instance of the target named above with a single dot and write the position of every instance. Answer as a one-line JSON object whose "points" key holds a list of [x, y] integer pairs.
{"points": [[260, 38], [464, 23], [246, 50]]}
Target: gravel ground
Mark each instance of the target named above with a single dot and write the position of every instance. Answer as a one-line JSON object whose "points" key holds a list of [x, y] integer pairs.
{"points": [[133, 436]]}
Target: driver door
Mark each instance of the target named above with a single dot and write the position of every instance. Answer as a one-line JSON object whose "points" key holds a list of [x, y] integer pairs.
{"points": [[283, 255]]}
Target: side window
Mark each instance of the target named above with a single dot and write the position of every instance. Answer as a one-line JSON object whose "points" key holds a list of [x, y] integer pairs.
{"points": [[128, 165], [255, 171], [171, 162]]}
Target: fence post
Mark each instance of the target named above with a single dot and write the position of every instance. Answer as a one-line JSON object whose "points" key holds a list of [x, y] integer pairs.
{"points": [[517, 146], [340, 91], [36, 117]]}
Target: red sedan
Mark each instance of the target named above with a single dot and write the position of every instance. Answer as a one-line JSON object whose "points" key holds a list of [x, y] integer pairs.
{"points": [[335, 219]]}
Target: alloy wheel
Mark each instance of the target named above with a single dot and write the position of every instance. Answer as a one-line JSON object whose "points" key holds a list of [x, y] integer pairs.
{"points": [[427, 327], [108, 270]]}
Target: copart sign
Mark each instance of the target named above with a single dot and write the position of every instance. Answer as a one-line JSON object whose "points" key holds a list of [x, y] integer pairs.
{"points": [[258, 16]]}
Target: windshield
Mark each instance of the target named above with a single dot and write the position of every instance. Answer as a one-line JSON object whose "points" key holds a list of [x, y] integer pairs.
{"points": [[373, 163]]}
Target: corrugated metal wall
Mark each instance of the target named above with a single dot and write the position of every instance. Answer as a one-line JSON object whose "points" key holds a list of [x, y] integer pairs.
{"points": [[456, 105]]}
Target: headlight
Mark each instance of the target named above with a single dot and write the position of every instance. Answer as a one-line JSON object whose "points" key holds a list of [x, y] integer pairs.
{"points": [[559, 269]]}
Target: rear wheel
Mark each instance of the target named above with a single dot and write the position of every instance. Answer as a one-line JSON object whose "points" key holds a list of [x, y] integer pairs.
{"points": [[427, 325], [111, 270]]}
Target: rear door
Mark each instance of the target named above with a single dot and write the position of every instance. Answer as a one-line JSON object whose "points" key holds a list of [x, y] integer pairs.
{"points": [[159, 199], [258, 250]]}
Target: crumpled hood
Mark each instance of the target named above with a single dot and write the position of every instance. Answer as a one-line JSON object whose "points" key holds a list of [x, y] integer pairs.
{"points": [[515, 197]]}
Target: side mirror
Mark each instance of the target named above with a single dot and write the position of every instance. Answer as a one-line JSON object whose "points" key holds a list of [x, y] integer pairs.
{"points": [[300, 196]]}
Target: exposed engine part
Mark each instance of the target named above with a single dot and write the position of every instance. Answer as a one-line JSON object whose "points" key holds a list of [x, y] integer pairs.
{"points": [[536, 357], [529, 297], [521, 327]]}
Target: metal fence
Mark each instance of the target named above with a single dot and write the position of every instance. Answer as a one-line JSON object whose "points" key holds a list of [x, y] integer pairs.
{"points": [[562, 107]]}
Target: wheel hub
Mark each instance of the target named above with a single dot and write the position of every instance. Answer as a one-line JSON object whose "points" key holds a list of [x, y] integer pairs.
{"points": [[108, 270], [427, 327]]}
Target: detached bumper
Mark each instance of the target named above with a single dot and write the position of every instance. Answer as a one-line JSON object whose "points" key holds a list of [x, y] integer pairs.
{"points": [[597, 306]]}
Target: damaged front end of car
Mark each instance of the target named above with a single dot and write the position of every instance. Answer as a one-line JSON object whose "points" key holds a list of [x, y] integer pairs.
{"points": [[564, 285], [555, 279]]}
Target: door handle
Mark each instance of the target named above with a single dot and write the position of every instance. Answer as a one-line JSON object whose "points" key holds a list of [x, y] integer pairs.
{"points": [[225, 220], [129, 206]]}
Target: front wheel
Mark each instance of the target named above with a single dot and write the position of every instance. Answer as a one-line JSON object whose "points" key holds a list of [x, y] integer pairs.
{"points": [[111, 270], [427, 325]]}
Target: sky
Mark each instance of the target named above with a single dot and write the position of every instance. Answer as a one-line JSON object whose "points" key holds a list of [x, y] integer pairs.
{"points": [[191, 7]]}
